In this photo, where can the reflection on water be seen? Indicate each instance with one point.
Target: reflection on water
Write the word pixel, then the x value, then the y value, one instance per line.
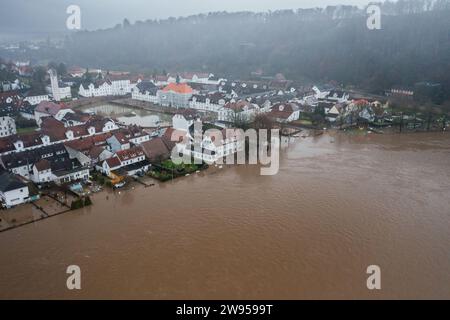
pixel 338 205
pixel 129 116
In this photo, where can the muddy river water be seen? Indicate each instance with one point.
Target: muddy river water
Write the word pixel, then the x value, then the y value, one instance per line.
pixel 338 204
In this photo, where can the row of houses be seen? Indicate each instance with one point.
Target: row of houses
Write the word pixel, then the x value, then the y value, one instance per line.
pixel 68 146
pixel 106 87
pixel 61 154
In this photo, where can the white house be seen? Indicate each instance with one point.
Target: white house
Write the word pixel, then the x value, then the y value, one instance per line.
pixel 50 109
pixel 12 190
pixel 35 100
pixel 63 171
pixel 117 142
pixel 321 92
pixel 338 96
pixel 106 87
pixel 7 126
pixel 332 114
pixel 242 110
pixel 215 145
pixel 285 112
pixel 42 172
pixel 175 95
pixel 211 103
pixel 98 89
pixel 184 120
pixel 125 162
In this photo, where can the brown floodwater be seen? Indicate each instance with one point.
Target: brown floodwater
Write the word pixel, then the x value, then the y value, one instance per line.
pixel 339 204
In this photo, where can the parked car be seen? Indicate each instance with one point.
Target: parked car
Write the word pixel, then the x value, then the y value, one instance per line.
pixel 120 185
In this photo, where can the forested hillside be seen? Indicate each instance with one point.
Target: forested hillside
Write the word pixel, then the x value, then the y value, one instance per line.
pixel 312 45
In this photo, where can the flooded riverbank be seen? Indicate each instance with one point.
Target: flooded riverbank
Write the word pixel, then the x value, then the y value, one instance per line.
pixel 129 115
pixel 339 204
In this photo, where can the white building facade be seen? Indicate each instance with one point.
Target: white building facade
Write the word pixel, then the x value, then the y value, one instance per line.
pixel 7 126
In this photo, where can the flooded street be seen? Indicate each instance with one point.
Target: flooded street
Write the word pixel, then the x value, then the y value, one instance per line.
pixel 338 204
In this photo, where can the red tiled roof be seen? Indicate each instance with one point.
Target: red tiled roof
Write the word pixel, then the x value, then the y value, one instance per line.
pixel 56 133
pixel 49 122
pixel 29 139
pixel 120 136
pixel 361 102
pixel 42 165
pixel 50 107
pixel 181 88
pixel 80 144
pixel 113 162
pixel 131 153
pixel 79 131
pixel 171 134
pixel 95 152
pixel 101 138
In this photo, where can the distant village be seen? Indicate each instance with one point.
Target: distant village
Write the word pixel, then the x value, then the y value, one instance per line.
pixel 47 141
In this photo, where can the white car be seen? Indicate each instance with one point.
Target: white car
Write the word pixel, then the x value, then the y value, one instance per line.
pixel 120 185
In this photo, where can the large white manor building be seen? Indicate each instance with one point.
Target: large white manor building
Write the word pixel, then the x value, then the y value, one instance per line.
pixel 107 87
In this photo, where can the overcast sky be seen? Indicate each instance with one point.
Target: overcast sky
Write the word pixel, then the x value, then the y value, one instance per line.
pixel 45 15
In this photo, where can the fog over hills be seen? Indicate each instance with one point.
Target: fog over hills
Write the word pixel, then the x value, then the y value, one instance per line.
pixel 50 15
pixel 31 16
pixel 321 44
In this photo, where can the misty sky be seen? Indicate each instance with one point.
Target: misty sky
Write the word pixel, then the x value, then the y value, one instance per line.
pixel 48 15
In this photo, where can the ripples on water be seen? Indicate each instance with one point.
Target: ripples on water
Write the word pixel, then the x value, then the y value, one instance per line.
pixel 337 205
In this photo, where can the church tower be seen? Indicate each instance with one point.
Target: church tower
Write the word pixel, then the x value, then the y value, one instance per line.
pixel 54 84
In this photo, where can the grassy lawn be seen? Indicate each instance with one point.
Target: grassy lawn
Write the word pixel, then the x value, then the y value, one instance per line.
pixel 168 169
pixel 304 122
pixel 26 130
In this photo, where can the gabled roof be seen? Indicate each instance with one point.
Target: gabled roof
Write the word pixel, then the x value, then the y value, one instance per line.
pixel 77 116
pixel 79 131
pixel 188 114
pixel 113 162
pixel 29 139
pixel 50 108
pixel 147 86
pixel 95 152
pixel 283 110
pixel 181 88
pixel 131 153
pixel 156 149
pixel 337 94
pixel 167 137
pixel 30 157
pixel 239 105
pixel 80 144
pixel 42 165
pixel 9 182
pixel 49 122
pixel 121 137
pixel 98 123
